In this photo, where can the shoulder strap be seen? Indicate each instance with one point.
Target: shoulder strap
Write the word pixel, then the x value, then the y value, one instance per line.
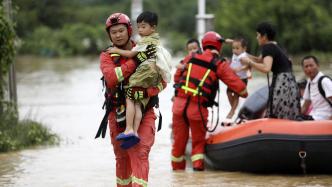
pixel 199 62
pixel 321 90
pixel 107 106
pixel 320 87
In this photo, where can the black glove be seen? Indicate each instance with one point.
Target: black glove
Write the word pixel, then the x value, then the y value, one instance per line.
pixel 151 51
pixel 136 93
pixel 144 55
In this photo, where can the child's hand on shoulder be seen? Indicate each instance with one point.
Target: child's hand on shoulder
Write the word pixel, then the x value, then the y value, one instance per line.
pixel 180 66
pixel 229 41
pixel 112 50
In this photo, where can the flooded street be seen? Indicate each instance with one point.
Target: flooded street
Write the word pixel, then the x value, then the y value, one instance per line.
pixel 66 95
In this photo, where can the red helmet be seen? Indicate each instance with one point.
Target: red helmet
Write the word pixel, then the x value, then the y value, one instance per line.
pixel 119 18
pixel 212 39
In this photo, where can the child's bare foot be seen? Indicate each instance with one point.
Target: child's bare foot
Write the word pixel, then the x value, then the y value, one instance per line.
pixel 230 115
pixel 227 122
pixel 129 132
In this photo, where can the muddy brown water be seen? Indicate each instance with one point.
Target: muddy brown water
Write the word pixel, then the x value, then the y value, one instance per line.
pixel 66 95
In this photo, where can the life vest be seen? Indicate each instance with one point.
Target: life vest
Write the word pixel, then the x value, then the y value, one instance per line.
pixel 199 80
pixel 115 99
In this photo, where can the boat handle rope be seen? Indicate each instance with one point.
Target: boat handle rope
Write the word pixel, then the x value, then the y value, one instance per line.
pixel 303 155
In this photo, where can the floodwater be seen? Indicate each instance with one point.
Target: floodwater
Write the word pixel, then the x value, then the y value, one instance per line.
pixel 66 96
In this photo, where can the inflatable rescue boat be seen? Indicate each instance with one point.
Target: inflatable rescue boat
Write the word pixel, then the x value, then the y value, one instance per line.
pixel 273 146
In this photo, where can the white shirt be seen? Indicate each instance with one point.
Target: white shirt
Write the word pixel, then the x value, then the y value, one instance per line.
pixel 236 64
pixel 321 110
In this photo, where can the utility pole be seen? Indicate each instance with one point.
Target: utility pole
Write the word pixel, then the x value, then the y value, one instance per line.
pixel 203 20
pixel 136 9
pixel 7 4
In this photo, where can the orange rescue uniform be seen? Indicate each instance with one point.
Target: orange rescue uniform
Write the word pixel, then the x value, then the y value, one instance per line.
pixel 203 71
pixel 132 165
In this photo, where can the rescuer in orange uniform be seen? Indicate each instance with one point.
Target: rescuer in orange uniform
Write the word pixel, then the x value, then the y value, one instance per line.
pixel 196 91
pixel 132 165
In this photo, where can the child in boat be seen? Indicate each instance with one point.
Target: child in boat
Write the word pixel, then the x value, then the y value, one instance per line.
pixel 239 47
pixel 192 46
pixel 149 73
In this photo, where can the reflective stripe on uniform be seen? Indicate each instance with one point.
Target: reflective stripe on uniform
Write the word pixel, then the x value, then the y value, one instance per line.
pixel 123 182
pixel 138 95
pixel 204 77
pixel 138 181
pixel 188 75
pixel 194 91
pixel 197 157
pixel 177 159
pixel 114 54
pixel 118 73
pixel 160 87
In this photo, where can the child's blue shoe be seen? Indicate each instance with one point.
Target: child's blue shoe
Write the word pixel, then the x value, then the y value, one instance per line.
pixel 123 136
pixel 128 143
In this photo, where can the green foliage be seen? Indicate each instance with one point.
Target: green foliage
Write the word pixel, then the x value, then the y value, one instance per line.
pixel 176 16
pixel 15 134
pixel 180 24
pixel 73 39
pixel 176 41
pixel 301 26
pixel 74 28
pixel 34 133
pixel 55 14
pixel 7 48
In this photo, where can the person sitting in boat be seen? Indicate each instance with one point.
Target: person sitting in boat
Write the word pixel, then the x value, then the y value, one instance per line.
pixel 318 91
pixel 198 84
pixel 284 97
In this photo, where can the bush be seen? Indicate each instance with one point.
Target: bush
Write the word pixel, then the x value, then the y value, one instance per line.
pixel 34 133
pixel 74 39
pixel 15 136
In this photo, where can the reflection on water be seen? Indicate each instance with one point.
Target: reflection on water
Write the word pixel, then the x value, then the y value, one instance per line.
pixel 66 95
pixel 8 167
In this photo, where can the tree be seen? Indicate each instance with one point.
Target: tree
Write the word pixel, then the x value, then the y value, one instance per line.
pixel 301 27
pixel 7 52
